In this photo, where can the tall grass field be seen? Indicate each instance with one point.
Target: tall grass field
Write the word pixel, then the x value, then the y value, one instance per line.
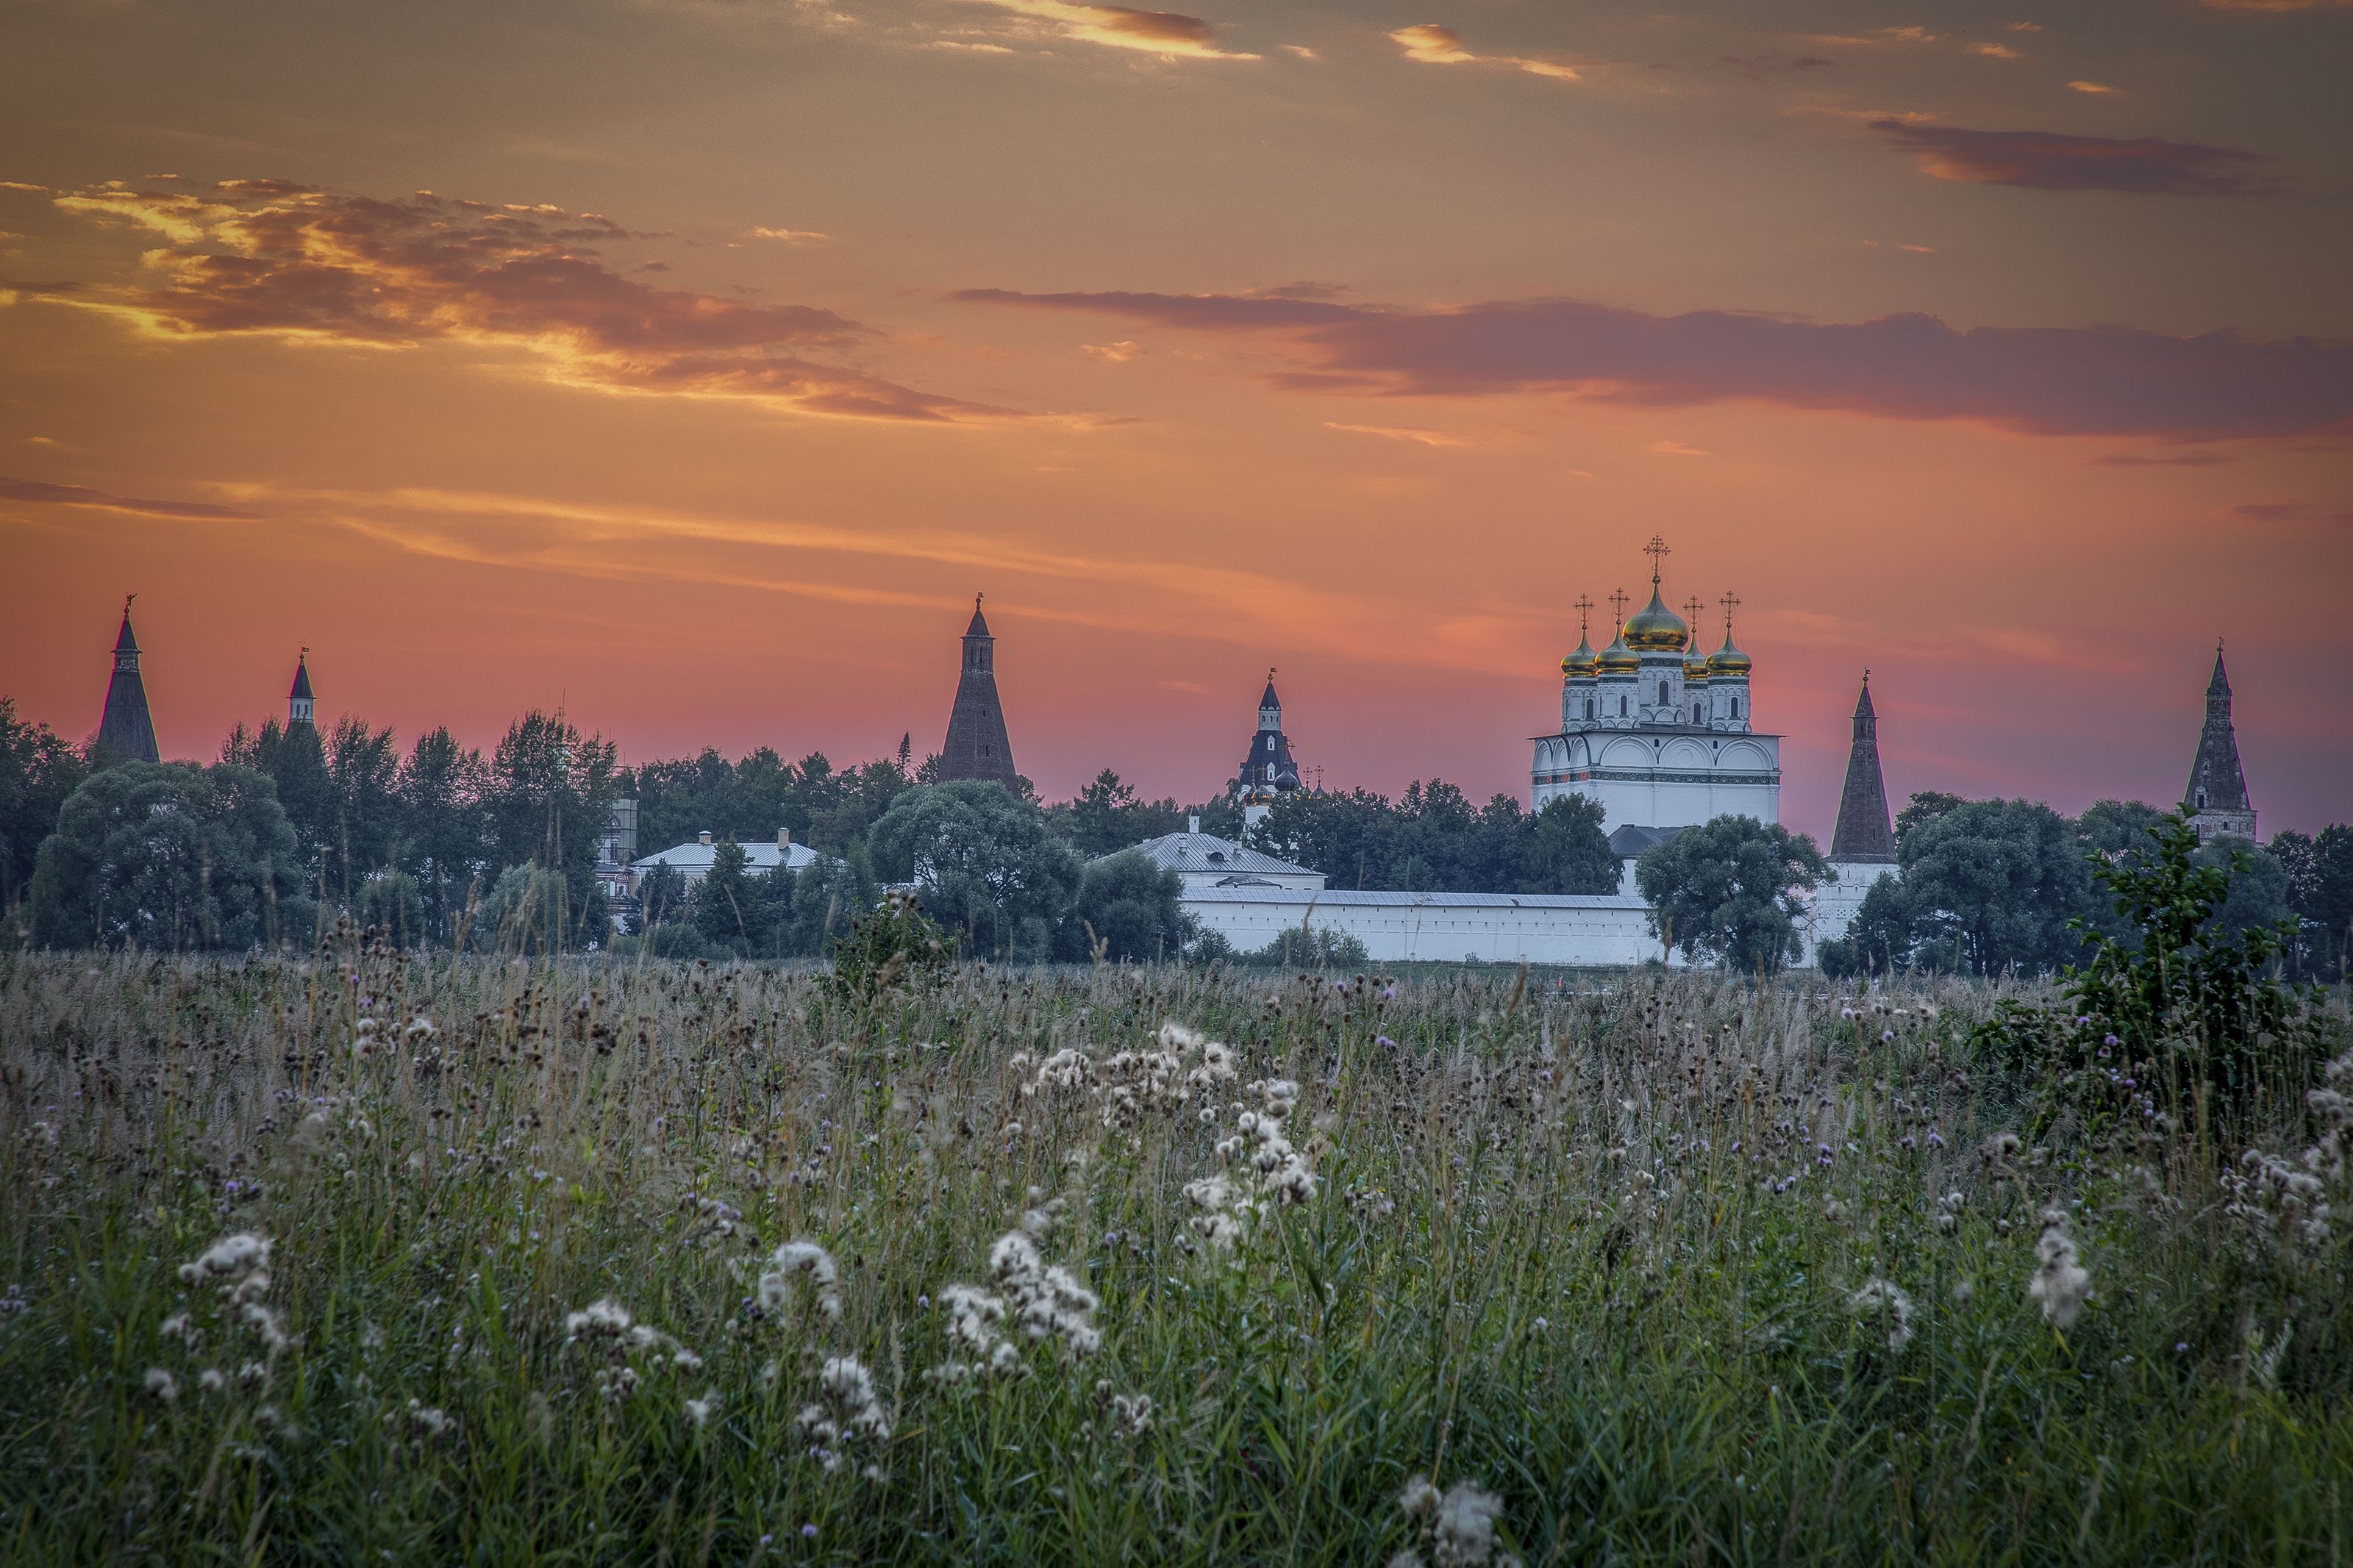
pixel 367 1258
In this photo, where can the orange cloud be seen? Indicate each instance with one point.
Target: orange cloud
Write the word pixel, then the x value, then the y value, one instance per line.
pixel 1433 45
pixel 1166 33
pixel 2090 87
pixel 1400 433
pixel 276 258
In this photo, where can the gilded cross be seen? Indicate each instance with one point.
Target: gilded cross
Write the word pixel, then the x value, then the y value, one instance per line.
pixel 1658 551
pixel 1619 601
pixel 1584 606
pixel 1730 602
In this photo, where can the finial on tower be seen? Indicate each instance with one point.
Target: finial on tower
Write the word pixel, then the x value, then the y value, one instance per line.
pixel 1730 602
pixel 1658 551
pixel 1618 601
pixel 1584 608
pixel 1692 607
pixel 128 597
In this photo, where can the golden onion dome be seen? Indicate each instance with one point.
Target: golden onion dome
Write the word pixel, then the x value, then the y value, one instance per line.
pixel 1618 658
pixel 1580 663
pixel 1728 659
pixel 1656 628
pixel 1695 661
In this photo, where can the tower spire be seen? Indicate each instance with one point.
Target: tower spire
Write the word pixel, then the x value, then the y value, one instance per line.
pixel 2216 800
pixel 977 746
pixel 1864 835
pixel 298 698
pixel 126 730
pixel 1584 609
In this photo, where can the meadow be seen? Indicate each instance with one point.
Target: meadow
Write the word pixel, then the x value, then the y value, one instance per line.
pixel 377 1258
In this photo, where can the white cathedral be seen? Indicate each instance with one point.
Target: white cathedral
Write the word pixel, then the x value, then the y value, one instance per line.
pixel 1658 731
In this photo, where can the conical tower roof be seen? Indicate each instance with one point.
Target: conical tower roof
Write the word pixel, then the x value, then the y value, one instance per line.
pixel 301 678
pixel 1863 832
pixel 977 746
pixel 126 732
pixel 2217 783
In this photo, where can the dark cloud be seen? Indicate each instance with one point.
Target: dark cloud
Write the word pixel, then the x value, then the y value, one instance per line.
pixel 1158 26
pixel 2048 160
pixel 2287 512
pixel 2054 381
pixel 46 494
pixel 276 258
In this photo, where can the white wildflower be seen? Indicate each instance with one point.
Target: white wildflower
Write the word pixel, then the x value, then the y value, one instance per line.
pixel 1881 1303
pixel 232 1257
pixel 1464 1534
pixel 163 1385
pixel 803 1261
pixel 2060 1283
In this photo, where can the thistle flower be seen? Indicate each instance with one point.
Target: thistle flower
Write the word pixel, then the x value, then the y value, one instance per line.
pixel 805 1261
pixel 1420 1500
pixel 232 1257
pixel 162 1384
pixel 1464 1534
pixel 1881 1303
pixel 845 1412
pixel 604 1317
pixel 2060 1283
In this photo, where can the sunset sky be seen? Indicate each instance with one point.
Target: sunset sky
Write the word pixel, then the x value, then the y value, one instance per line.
pixel 691 364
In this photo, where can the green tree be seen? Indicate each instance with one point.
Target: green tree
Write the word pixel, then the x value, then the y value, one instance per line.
pixel 389 901
pixel 2113 827
pixel 547 792
pixel 2256 894
pixel 444 840
pixel 37 772
pixel 827 896
pixel 1925 806
pixel 735 909
pixel 661 896
pixel 296 761
pixel 1132 906
pixel 1998 881
pixel 364 769
pixel 1107 817
pixel 2319 869
pixel 1882 940
pixel 1727 891
pixel 986 866
pixel 2192 995
pixel 530 910
pixel 171 856
pixel 1566 851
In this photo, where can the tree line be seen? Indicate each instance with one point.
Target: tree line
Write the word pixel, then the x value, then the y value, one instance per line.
pixel 445 844
pixel 1994 886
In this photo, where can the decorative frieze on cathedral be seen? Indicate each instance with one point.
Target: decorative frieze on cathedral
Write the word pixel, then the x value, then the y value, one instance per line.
pixel 1660 731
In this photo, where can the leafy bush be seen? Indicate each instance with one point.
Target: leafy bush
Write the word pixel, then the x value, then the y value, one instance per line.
pixel 893 947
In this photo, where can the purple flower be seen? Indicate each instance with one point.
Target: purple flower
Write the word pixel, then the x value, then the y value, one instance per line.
pixel 2110 1040
pixel 808 1532
pixel 1384 1040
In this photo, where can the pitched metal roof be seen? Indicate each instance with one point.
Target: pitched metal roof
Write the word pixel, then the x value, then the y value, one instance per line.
pixel 1631 840
pixel 1336 898
pixel 1206 855
pixel 695 857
